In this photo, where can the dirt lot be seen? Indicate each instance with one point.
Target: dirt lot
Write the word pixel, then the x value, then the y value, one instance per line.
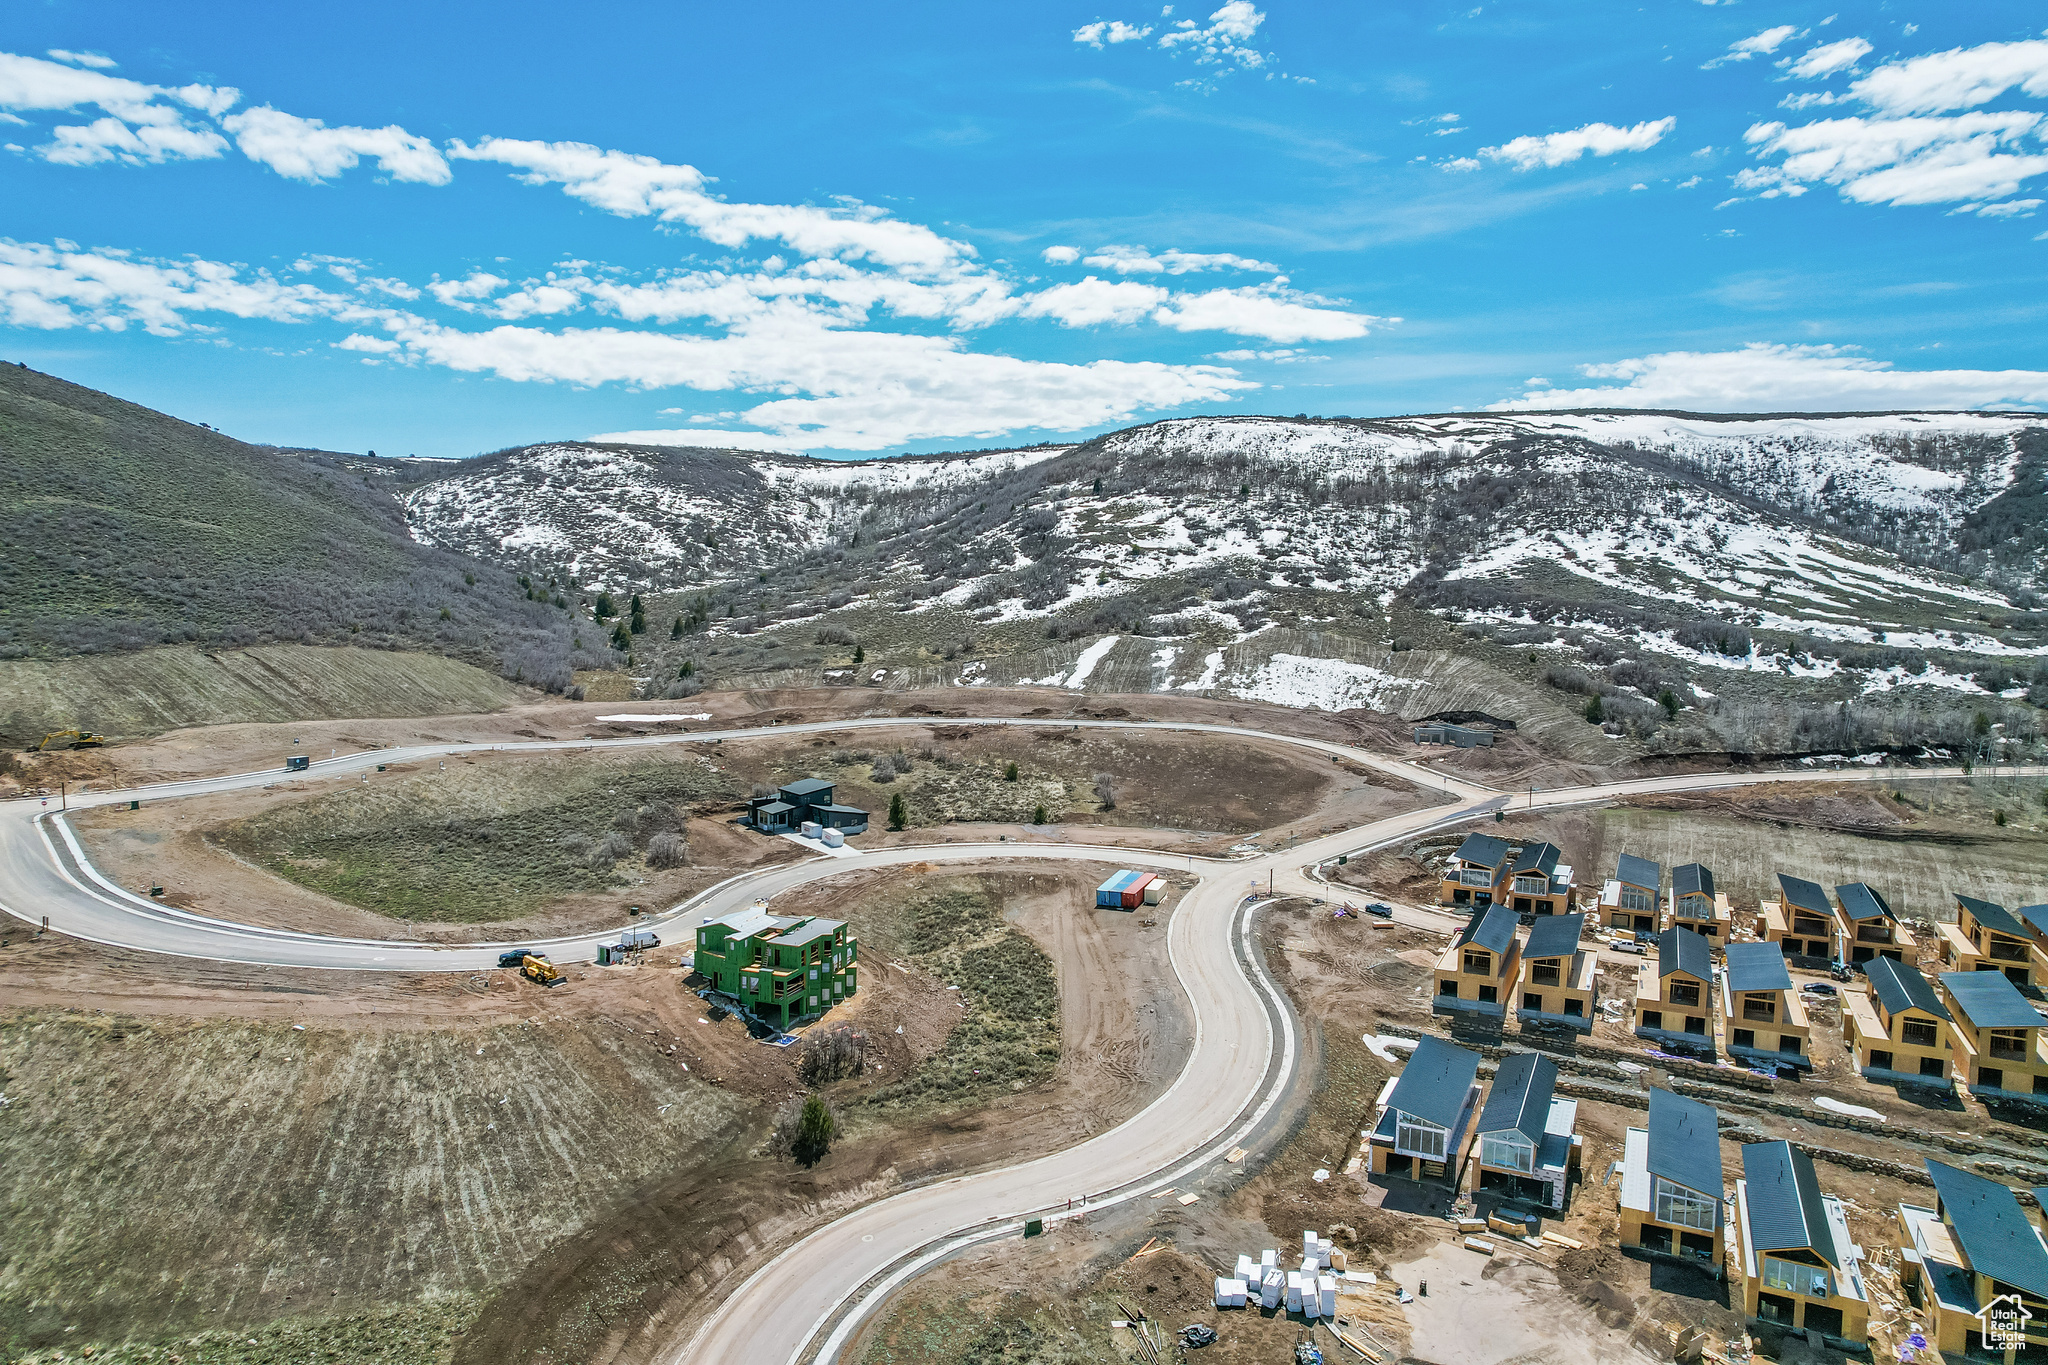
pixel 542 1165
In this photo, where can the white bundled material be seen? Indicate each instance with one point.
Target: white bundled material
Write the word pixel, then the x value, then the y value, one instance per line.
pixel 1308 1245
pixel 1231 1293
pixel 1248 1269
pixel 1269 1258
pixel 1309 1269
pixel 1294 1291
pixel 1326 1294
pixel 1270 1289
pixel 1323 1250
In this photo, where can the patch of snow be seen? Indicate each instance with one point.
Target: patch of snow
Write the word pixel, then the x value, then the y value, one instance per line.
pixel 1835 1106
pixel 1090 657
pixel 657 720
pixel 1382 1046
pixel 1319 684
pixel 1211 667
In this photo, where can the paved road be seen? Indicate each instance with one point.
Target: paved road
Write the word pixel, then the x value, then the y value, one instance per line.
pixel 1240 1063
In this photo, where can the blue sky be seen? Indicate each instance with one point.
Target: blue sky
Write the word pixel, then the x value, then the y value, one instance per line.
pixel 446 229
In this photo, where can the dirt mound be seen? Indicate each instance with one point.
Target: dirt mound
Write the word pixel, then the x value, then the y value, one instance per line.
pixel 1587 1263
pixel 1397 973
pixel 1609 1303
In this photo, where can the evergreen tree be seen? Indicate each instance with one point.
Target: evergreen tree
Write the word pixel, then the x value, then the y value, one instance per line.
pixel 899 816
pixel 688 668
pixel 639 615
pixel 1038 816
pixel 1010 771
pixel 1669 701
pixel 621 641
pixel 605 609
pixel 1595 712
pixel 860 656
pixel 675 632
pixel 814 1133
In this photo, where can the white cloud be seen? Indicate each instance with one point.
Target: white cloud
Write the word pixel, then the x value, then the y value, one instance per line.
pixel 141 123
pixel 1759 44
pixel 1460 163
pixel 1827 60
pixel 1687 183
pixel 1812 99
pixel 2011 208
pixel 1966 157
pixel 1112 31
pixel 60 286
pixel 1136 260
pixel 307 149
pixel 1281 356
pixel 1770 378
pixel 1224 39
pixel 1264 312
pixel 91 59
pixel 1960 78
pixel 464 292
pixel 109 139
pixel 1601 139
pixel 1060 255
pixel 1096 302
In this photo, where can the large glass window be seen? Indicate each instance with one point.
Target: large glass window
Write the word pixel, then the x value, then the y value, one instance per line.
pixel 1810 1280
pixel 1635 898
pixel 1509 1153
pixel 1685 1208
pixel 1419 1139
pixel 1685 992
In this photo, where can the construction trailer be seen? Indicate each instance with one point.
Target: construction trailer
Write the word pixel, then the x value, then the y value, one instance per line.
pixel 1127 891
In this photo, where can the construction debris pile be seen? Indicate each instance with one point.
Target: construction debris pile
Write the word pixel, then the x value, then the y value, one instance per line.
pixel 1310 1290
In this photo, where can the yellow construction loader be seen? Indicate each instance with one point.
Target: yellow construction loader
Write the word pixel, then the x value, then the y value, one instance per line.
pixel 70 739
pixel 534 967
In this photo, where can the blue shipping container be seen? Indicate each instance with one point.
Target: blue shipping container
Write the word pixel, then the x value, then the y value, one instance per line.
pixel 1111 892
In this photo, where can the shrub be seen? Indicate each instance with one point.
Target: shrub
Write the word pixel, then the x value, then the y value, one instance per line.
pixel 1105 791
pixel 899 814
pixel 815 1130
pixel 667 850
pixel 1595 712
pixel 829 1054
pixel 1038 816
pixel 1010 771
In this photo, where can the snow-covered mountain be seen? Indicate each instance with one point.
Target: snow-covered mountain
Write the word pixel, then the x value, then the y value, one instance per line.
pixel 1320 559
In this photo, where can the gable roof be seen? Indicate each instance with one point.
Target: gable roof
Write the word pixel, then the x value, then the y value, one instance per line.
pixel 1520 1097
pixel 1989 1000
pixel 2035 917
pixel 1757 967
pixel 1495 930
pixel 1483 850
pixel 1538 858
pixel 1685 1142
pixel 1991 1228
pixel 1860 902
pixel 1435 1082
pixel 1993 916
pixel 1554 936
pixel 1682 950
pixel 1900 987
pixel 1639 872
pixel 1805 894
pixel 1692 878
pixel 1785 1211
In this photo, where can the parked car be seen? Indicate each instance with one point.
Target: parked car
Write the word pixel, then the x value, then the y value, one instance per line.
pixel 1818 988
pixel 1628 945
pixel 514 957
pixel 1383 911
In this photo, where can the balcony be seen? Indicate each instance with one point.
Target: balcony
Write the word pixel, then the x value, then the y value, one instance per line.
pixel 2005 950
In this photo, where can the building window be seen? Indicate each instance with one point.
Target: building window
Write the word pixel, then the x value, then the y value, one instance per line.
pixel 1991 1076
pixel 1532 1000
pixel 1881 1060
pixel 2010 1044
pixel 1509 1154
pixel 1418 1139
pixel 1635 898
pixel 1695 907
pixel 1478 964
pixel 1933 1066
pixel 1685 993
pixel 1810 1280
pixel 1743 1037
pixel 1653 1019
pixel 1914 1034
pixel 1545 973
pixel 1788 1043
pixel 1685 1208
pixel 1447 987
pixel 1488 995
pixel 1575 1007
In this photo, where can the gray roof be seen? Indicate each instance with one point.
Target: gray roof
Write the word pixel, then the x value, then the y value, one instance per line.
pixel 1554 936
pixel 1991 1228
pixel 1693 877
pixel 1993 916
pixel 1757 967
pixel 816 929
pixel 1435 1082
pixel 1483 850
pixel 1785 1212
pixel 1681 950
pixel 1520 1097
pixel 1685 1142
pixel 2035 917
pixel 1990 1000
pixel 1899 987
pixel 1639 872
pixel 1495 929
pixel 1860 902
pixel 1538 858
pixel 808 786
pixel 774 808
pixel 1805 894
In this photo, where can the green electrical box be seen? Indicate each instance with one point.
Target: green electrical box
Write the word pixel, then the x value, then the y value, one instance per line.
pixel 1035 1228
pixel 1343 858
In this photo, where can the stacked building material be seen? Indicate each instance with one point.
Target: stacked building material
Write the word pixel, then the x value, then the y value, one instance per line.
pixel 1231 1293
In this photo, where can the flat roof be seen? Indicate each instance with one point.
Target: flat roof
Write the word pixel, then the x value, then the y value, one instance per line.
pixel 815 929
pixel 1861 902
pixel 1785 1212
pixel 1692 879
pixel 1435 1082
pixel 1554 936
pixel 746 923
pixel 1685 1142
pixel 807 786
pixel 1639 872
pixel 1495 929
pixel 1991 1228
pixel 1482 849
pixel 1520 1097
pixel 1899 987
pixel 774 808
pixel 1119 881
pixel 1682 950
pixel 1805 895
pixel 1993 916
pixel 1989 1000
pixel 1757 967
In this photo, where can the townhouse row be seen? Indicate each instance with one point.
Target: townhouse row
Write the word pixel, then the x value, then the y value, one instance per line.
pixel 1973 1265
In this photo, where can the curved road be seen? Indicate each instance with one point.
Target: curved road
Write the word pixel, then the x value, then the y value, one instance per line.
pixel 1239 1066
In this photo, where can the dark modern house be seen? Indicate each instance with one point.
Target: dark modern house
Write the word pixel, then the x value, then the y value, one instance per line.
pixel 1867 925
pixel 1475 875
pixel 1476 973
pixel 1974 1261
pixel 1675 1006
pixel 1802 921
pixel 1560 980
pixel 808 801
pixel 1629 899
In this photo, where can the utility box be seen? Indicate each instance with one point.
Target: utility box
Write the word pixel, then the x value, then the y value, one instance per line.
pixel 810 829
pixel 298 763
pixel 1154 890
pixel 833 838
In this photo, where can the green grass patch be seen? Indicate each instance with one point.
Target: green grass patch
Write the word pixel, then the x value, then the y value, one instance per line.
pixel 477 845
pixel 1009 1035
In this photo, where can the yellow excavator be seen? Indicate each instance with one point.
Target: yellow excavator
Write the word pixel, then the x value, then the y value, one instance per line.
pixel 70 739
pixel 534 967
